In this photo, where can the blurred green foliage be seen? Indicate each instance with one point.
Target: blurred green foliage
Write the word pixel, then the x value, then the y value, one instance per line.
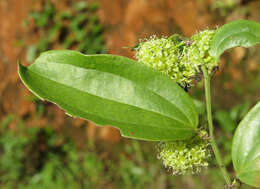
pixel 76 28
pixel 228 121
pixel 224 7
pixel 39 158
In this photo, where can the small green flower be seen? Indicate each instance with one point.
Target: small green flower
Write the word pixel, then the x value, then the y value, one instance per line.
pixel 183 157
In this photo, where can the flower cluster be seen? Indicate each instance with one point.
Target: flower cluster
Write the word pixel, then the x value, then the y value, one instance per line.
pixel 198 52
pixel 178 57
pixel 183 157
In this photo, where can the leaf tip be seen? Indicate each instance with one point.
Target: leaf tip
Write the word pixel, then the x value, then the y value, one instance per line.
pixel 22 74
pixel 21 68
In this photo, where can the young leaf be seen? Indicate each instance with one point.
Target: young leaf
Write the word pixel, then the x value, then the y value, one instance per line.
pixel 113 90
pixel 244 33
pixel 246 148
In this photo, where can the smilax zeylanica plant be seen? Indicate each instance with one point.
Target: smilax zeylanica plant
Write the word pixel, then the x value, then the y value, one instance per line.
pixel 181 59
pixel 147 105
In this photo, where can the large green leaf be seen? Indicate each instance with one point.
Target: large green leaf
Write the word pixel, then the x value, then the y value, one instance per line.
pixel 113 90
pixel 244 33
pixel 246 148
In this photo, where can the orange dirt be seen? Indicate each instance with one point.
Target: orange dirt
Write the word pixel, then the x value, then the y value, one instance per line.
pixel 126 21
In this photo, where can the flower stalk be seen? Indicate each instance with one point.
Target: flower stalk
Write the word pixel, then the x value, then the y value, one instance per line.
pixel 211 128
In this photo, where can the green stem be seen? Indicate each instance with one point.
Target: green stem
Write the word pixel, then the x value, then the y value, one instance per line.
pixel 210 125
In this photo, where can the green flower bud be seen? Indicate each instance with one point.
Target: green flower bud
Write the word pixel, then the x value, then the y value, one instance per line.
pixel 183 157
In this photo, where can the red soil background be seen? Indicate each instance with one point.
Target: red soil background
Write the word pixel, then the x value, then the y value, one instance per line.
pixel 125 22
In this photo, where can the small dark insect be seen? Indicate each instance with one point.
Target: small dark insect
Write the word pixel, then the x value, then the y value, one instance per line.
pixel 197 77
pixel 215 69
pixel 186 88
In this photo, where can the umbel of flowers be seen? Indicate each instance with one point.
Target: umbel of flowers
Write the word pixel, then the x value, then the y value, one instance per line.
pixel 182 157
pixel 181 59
pixel 178 57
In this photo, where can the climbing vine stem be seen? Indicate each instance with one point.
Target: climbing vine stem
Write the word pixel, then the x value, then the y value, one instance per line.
pixel 210 127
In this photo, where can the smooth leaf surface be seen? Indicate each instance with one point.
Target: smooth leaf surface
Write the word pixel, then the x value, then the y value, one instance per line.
pixel 246 148
pixel 244 33
pixel 113 90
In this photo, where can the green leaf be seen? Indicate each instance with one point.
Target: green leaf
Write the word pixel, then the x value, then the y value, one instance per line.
pixel 246 148
pixel 113 90
pixel 244 33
